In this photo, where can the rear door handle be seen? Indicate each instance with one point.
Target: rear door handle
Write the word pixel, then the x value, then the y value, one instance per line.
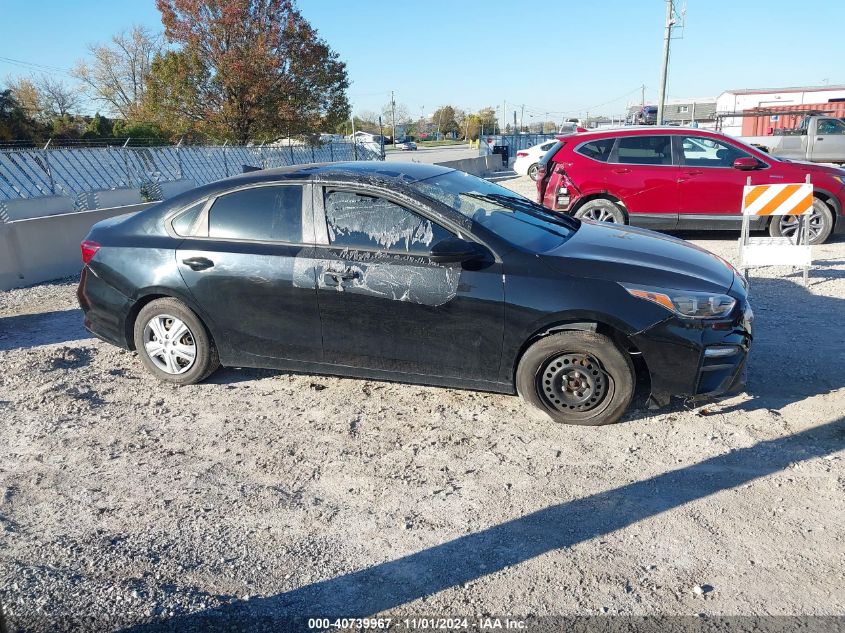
pixel 693 172
pixel 622 170
pixel 198 263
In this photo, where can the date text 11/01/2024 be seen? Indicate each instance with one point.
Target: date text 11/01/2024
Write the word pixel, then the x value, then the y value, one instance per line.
pixel 416 624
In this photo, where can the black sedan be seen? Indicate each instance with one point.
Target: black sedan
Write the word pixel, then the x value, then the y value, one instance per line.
pixel 415 273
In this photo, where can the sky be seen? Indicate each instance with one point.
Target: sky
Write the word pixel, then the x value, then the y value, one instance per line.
pixel 564 57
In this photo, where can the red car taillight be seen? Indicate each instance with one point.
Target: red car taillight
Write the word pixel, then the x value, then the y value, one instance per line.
pixel 89 249
pixel 522 153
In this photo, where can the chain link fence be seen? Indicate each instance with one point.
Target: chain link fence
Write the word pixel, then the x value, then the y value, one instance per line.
pixel 77 172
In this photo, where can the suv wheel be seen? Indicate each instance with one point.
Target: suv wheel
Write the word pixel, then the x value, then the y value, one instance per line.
pixel 820 219
pixel 173 343
pixel 576 377
pixel 601 210
pixel 532 171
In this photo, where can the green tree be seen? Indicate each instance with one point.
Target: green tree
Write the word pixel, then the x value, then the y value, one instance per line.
pixel 255 67
pixel 99 127
pixel 443 120
pixel 142 132
pixel 173 98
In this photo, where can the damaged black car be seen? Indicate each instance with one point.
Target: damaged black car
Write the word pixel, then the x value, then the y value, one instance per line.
pixel 420 274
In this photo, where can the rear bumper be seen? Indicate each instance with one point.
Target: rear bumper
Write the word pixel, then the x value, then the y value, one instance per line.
pixel 104 309
pixel 696 360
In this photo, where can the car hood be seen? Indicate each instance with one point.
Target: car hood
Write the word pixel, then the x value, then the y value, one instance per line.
pixel 639 256
pixel 807 166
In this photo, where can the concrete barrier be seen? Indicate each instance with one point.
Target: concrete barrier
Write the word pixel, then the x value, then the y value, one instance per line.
pixel 39 249
pixel 481 166
pixel 26 208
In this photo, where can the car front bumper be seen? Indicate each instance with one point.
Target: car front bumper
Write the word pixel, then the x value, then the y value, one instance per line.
pixel 696 360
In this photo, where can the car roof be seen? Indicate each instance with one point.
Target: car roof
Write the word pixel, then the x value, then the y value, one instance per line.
pixel 640 130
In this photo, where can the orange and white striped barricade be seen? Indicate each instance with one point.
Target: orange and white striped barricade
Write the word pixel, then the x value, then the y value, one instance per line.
pixel 776 200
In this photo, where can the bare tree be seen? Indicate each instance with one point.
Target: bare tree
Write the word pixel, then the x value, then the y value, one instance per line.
pixel 57 98
pixel 116 74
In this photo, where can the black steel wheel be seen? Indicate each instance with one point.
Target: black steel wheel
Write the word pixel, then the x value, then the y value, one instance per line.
pixel 576 377
pixel 574 382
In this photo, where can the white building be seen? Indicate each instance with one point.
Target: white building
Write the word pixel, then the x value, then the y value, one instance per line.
pixel 744 99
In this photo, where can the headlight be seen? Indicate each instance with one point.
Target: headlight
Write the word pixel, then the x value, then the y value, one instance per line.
pixel 840 178
pixel 693 305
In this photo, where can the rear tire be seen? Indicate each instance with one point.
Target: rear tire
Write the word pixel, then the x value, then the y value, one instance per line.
pixel 821 224
pixel 173 343
pixel 576 377
pixel 601 210
pixel 532 171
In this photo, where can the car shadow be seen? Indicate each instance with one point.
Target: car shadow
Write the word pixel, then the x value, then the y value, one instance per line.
pixel 391 584
pixel 43 328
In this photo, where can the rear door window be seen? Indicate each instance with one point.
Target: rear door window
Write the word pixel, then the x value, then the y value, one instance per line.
pixel 644 150
pixel 267 214
pixel 597 150
pixel 362 222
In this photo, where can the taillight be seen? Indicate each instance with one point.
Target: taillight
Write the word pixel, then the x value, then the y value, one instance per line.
pixel 89 249
pixel 522 153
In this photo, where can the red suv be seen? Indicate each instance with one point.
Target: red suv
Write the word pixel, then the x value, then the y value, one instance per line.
pixel 678 178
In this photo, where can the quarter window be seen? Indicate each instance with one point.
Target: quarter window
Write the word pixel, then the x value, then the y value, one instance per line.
pixel 645 150
pixel 363 222
pixel 187 222
pixel 271 214
pixel 700 151
pixel 597 150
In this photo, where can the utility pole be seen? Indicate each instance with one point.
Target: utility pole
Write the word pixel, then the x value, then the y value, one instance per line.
pixel 522 118
pixel 664 70
pixel 393 117
pixel 422 113
pixel 642 99
pixel 504 116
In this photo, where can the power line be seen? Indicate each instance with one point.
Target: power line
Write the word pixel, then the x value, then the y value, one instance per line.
pixel 42 68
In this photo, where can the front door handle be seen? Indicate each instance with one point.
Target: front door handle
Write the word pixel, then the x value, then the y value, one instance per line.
pixel 622 170
pixel 335 277
pixel 693 172
pixel 198 263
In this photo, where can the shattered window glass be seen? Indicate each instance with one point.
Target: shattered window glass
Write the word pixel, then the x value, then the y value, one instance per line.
pixel 364 222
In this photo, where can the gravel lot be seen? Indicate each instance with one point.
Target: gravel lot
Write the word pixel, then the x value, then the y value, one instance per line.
pixel 261 493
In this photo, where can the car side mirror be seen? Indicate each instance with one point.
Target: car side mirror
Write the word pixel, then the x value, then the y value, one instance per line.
pixel 455 250
pixel 746 163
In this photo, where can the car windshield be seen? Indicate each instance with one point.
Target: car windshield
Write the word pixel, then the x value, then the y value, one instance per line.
pixel 512 217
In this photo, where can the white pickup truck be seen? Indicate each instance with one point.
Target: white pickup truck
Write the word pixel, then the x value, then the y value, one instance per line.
pixel 818 139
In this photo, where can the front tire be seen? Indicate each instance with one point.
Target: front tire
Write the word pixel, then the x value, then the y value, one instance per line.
pixel 576 377
pixel 601 210
pixel 532 171
pixel 173 343
pixel 821 224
